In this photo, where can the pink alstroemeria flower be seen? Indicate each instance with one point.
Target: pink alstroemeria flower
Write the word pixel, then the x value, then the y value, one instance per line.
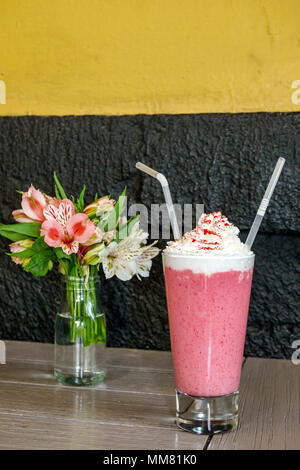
pixel 20 216
pixel 65 229
pixel 33 204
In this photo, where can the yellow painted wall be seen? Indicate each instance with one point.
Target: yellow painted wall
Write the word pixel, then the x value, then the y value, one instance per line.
pixel 148 56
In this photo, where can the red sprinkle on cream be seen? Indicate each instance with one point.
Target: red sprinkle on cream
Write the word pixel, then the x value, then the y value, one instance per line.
pixel 214 232
pixel 208 233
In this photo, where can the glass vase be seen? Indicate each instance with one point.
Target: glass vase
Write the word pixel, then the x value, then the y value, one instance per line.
pixel 80 333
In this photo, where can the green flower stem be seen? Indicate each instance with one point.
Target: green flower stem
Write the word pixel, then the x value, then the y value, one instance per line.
pixel 85 324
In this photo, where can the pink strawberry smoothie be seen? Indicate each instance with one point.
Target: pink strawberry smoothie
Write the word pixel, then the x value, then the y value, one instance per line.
pixel 208 276
pixel 207 318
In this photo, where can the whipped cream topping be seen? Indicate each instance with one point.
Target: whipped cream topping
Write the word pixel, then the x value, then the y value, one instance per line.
pixel 213 235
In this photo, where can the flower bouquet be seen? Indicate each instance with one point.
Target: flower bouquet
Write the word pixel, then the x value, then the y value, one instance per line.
pixel 80 239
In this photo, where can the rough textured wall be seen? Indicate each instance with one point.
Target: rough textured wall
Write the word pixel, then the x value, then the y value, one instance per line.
pixel 223 161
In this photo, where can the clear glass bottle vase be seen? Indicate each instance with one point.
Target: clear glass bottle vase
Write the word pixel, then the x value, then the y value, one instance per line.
pixel 80 333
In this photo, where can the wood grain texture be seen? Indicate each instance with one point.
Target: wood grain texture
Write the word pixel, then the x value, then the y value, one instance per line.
pixel 105 406
pixel 118 378
pixel 20 351
pixel 35 432
pixel 269 408
pixel 134 409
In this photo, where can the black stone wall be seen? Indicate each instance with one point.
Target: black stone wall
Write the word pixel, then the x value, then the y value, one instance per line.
pixel 221 160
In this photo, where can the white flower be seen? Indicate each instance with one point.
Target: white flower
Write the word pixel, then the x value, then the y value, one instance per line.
pixel 119 259
pixel 129 257
pixel 143 262
pixel 138 234
pixel 143 268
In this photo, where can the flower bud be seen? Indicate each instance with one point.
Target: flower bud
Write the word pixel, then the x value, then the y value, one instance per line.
pixel 99 207
pixel 18 247
pixel 92 256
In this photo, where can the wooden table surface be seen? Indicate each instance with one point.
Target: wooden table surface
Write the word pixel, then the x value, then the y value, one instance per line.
pixel 135 408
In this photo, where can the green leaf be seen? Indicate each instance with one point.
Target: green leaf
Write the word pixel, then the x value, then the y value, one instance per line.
pixel 13 236
pixel 57 194
pixel 131 222
pixel 113 218
pixel 40 244
pixel 60 254
pixel 80 200
pixel 39 263
pixel 125 229
pixel 23 254
pixel 60 188
pixel 29 229
pixel 96 197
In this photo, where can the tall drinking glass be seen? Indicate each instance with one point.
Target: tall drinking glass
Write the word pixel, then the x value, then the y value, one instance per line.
pixel 208 300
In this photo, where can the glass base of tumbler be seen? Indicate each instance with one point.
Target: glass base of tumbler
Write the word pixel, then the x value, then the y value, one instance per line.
pixel 75 380
pixel 206 415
